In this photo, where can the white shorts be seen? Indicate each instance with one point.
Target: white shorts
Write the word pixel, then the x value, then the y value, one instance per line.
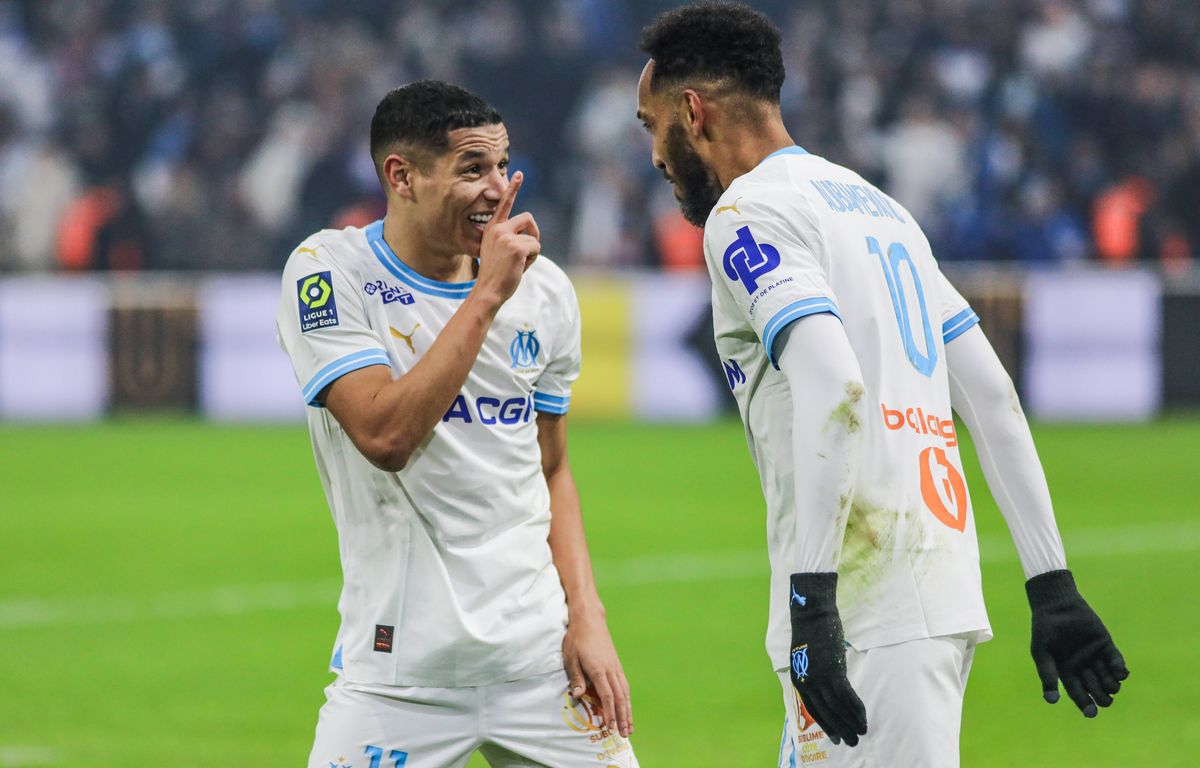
pixel 532 722
pixel 913 693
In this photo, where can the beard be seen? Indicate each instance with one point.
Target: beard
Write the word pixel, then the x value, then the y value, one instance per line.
pixel 699 188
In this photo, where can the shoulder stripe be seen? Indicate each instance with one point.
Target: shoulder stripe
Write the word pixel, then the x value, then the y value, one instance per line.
pixel 791 313
pixel 339 368
pixel 958 325
pixel 559 404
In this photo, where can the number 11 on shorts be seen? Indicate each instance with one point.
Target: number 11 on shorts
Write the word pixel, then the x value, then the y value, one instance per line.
pixel 398 757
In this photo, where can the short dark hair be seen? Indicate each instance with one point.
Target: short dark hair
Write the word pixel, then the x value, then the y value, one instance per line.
pixel 419 116
pixel 716 41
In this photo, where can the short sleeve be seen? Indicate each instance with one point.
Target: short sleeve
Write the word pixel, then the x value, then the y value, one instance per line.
pixel 763 254
pixel 957 315
pixel 322 322
pixel 552 392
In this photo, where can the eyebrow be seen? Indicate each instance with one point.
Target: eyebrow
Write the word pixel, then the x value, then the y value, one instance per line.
pixel 480 154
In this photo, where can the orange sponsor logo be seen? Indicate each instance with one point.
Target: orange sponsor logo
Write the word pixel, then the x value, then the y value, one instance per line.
pixel 806 720
pixel 941 482
pixel 582 715
pixel 923 424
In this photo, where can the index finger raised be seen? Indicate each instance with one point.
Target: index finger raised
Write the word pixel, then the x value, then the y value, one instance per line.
pixel 505 206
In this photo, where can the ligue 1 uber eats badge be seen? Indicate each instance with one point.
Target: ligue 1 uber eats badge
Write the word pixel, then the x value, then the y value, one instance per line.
pixel 318 306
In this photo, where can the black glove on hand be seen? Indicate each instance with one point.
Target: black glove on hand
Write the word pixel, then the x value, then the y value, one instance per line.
pixel 1070 642
pixel 819 658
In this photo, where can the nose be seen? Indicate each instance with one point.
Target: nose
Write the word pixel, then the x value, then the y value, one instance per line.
pixel 658 161
pixel 497 182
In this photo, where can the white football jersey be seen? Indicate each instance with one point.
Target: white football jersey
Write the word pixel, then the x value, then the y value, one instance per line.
pixel 800 235
pixel 448 579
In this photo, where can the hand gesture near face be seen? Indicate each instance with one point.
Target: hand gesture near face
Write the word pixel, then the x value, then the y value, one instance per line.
pixel 509 246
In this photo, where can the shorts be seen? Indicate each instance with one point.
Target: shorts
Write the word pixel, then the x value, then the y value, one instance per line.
pixel 532 722
pixel 913 693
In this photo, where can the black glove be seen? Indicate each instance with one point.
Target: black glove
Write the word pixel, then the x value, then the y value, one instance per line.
pixel 819 658
pixel 1070 642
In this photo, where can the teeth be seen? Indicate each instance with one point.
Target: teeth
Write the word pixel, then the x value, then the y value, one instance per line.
pixel 480 218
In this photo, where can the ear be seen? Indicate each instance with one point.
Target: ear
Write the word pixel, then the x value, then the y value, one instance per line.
pixel 398 172
pixel 693 108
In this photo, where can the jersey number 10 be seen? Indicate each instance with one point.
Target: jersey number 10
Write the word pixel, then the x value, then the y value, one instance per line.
pixel 897 256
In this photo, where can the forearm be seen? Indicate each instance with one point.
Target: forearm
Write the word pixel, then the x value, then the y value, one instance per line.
pixel 568 546
pixel 983 395
pixel 828 414
pixel 827 417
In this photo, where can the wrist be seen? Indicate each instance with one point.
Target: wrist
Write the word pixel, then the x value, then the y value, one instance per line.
pixel 586 610
pixel 1050 588
pixel 812 598
pixel 484 301
pixel 812 588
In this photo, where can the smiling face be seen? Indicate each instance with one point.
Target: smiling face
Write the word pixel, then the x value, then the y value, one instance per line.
pixel 455 192
pixel 697 187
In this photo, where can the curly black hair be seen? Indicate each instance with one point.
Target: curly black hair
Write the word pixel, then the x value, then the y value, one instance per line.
pixel 420 115
pixel 716 41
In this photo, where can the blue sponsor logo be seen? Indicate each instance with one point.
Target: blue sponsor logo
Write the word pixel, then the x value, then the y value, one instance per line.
pixel 524 349
pixel 490 411
pixel 733 373
pixel 800 661
pixel 318 305
pixel 389 293
pixel 798 598
pixel 746 259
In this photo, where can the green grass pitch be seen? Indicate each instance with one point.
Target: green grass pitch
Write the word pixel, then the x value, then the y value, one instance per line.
pixel 167 595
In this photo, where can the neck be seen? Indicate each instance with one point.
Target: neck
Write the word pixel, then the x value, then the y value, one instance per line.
pixel 424 258
pixel 748 146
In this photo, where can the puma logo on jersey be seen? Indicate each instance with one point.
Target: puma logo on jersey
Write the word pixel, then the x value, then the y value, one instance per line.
pixel 309 251
pixel 733 207
pixel 406 336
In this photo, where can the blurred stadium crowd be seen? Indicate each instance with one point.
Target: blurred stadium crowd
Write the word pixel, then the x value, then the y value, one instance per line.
pixel 215 134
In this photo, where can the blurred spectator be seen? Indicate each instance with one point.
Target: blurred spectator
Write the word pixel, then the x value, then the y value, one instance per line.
pixel 922 156
pixel 1117 226
pixel 193 134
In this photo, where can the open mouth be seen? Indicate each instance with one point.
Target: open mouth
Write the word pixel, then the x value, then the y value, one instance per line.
pixel 479 220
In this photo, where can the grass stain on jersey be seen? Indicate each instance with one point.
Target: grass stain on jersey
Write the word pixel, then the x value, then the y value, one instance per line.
pixel 847 412
pixel 843 512
pixel 921 539
pixel 866 549
pixel 1015 400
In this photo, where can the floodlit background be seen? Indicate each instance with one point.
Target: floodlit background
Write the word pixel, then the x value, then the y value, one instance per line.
pixel 168 570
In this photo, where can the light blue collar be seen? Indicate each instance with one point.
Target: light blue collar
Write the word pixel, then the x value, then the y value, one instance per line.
pixel 795 149
pixel 407 274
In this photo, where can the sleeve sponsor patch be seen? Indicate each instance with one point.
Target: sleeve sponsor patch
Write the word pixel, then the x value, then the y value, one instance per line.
pixel 746 259
pixel 318 305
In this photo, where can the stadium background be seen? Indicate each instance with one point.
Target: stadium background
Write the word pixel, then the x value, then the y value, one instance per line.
pixel 168 574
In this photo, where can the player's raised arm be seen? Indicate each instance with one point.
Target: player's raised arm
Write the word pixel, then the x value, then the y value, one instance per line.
pixel 827 418
pixel 387 419
pixel 1069 641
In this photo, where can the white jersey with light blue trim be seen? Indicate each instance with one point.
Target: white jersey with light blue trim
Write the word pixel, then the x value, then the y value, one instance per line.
pixel 799 235
pixel 448 579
